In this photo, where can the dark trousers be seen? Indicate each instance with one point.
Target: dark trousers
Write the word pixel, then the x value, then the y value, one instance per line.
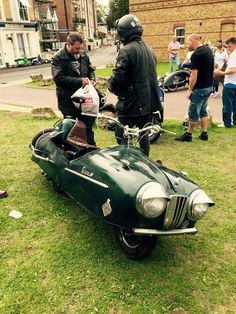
pixel 139 122
pixel 215 85
pixel 229 106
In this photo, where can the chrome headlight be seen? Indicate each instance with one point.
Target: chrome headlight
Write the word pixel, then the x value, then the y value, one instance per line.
pixel 199 203
pixel 151 200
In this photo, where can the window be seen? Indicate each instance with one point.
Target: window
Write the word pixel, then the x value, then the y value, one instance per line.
pixel 21 44
pixel 180 34
pixel 23 11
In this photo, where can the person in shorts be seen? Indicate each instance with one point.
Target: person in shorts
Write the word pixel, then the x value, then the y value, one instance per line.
pixel 200 87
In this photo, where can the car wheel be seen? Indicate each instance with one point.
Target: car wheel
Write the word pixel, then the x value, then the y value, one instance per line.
pixel 154 135
pixel 135 247
pixel 39 134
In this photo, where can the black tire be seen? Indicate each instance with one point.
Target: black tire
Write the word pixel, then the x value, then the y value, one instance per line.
pixel 154 135
pixel 174 86
pixel 39 134
pixel 135 247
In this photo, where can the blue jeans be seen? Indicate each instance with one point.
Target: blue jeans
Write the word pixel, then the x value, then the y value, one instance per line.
pixel 198 103
pixel 174 60
pixel 229 106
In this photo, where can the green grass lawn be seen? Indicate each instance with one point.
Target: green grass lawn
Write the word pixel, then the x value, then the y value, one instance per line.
pixel 60 259
pixel 162 68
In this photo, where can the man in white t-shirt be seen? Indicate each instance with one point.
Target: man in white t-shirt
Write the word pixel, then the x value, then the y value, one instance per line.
pixel 229 90
pixel 173 49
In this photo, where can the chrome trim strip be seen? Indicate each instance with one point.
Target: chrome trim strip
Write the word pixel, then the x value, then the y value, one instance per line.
pixel 176 211
pixel 40 157
pixel 103 185
pixel 141 231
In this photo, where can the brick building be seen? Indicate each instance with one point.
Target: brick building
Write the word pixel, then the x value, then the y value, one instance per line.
pixel 211 19
pixel 47 24
pixel 79 15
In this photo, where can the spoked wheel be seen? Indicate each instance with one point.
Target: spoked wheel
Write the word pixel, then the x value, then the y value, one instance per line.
pixel 152 134
pixel 174 86
pixel 135 247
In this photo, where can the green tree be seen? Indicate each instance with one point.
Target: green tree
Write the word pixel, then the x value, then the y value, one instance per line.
pixel 118 8
pixel 102 12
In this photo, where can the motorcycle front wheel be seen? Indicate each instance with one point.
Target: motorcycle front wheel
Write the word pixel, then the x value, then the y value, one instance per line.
pixel 135 247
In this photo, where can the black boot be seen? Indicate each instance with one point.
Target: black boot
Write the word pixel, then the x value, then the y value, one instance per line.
pixel 203 136
pixel 186 137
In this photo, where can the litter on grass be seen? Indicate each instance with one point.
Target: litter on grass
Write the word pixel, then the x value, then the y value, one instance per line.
pixel 15 214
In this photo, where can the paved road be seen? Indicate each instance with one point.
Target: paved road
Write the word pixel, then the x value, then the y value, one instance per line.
pixel 103 57
pixel 176 106
pixel 15 96
pixel 99 58
pixel 21 75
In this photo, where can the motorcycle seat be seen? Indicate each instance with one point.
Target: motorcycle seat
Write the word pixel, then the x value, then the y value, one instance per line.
pixel 78 136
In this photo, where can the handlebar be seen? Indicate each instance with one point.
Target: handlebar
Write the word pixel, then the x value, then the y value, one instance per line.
pixel 127 130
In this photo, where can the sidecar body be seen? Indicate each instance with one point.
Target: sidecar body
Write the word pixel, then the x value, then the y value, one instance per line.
pixel 120 186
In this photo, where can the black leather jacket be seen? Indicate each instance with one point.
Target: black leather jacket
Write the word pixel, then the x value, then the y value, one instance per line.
pixel 67 72
pixel 134 80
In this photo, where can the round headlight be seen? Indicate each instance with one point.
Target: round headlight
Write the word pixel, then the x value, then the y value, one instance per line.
pixel 199 204
pixel 199 211
pixel 151 200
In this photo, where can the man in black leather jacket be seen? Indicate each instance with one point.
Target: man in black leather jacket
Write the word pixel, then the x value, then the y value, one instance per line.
pixel 134 80
pixel 71 69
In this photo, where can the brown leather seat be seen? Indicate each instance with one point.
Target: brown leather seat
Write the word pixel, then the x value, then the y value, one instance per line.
pixel 78 136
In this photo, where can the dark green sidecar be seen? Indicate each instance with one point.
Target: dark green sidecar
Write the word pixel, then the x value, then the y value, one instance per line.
pixel 121 186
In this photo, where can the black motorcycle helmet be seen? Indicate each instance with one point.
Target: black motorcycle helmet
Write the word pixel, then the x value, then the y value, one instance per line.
pixel 127 26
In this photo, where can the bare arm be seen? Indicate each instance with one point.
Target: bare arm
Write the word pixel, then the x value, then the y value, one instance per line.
pixel 192 82
pixel 227 72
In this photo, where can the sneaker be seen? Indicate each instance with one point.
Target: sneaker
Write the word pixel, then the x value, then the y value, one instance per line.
pixel 186 137
pixel 203 136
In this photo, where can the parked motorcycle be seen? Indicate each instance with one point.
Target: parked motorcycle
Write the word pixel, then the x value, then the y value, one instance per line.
pixel 175 80
pixel 39 60
pixel 22 62
pixel 141 198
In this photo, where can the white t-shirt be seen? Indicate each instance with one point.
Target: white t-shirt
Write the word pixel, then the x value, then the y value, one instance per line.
pixel 219 58
pixel 231 78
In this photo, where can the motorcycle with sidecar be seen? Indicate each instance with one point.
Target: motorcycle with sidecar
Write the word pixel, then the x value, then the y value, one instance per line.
pixel 141 198
pixel 175 80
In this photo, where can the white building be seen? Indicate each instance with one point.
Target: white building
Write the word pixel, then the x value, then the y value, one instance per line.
pixel 18 31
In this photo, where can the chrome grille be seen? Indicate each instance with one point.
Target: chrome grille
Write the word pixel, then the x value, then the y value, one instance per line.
pixel 176 211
